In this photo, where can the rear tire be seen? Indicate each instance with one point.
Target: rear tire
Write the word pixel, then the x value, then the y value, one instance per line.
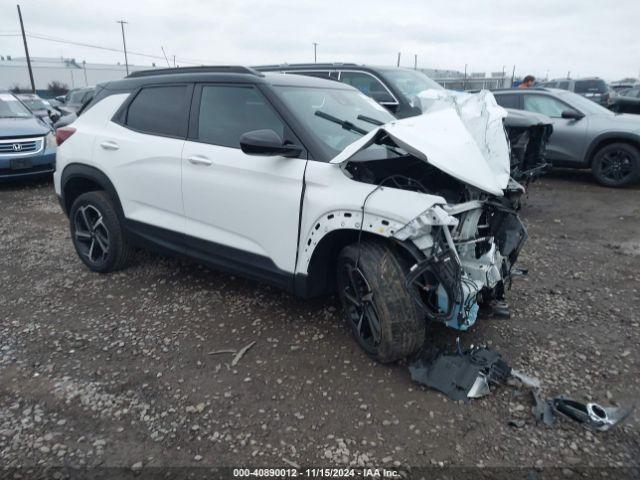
pixel 379 310
pixel 97 233
pixel 616 165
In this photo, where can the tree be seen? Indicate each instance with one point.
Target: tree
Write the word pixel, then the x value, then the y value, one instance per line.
pixel 57 88
pixel 18 89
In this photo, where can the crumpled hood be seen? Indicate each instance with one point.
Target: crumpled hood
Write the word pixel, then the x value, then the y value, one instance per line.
pixel 459 133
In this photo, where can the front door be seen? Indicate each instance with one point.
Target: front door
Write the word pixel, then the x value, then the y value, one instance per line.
pixel 567 142
pixel 244 209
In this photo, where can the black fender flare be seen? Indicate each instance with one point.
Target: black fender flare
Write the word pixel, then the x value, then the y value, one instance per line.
pixel 78 170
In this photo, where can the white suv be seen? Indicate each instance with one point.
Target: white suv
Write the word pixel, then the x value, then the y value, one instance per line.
pixel 289 180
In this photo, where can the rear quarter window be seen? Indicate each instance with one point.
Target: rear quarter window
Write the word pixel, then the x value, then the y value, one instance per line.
pixel 590 86
pixel 162 110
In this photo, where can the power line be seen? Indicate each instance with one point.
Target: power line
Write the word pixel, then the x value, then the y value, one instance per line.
pixel 49 38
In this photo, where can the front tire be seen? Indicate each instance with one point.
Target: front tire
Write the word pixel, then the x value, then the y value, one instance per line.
pixel 379 310
pixel 616 165
pixel 97 233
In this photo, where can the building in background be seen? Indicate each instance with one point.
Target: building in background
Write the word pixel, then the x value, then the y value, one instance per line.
pixel 74 74
pixel 77 74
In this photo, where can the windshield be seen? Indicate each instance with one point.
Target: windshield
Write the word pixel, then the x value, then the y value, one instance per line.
pixel 34 103
pixel 409 82
pixel 337 117
pixel 590 86
pixel 10 107
pixel 583 104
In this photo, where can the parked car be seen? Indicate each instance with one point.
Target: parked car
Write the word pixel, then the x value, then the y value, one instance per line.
pixel 78 97
pixel 27 143
pixel 39 107
pixel 396 89
pixel 260 174
pixel 585 134
pixel 593 88
pixel 627 102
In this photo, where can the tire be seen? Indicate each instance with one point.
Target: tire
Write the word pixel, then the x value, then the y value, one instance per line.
pixel 392 327
pixel 616 165
pixel 97 233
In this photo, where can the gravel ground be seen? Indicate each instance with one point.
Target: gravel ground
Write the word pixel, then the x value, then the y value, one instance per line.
pixel 125 369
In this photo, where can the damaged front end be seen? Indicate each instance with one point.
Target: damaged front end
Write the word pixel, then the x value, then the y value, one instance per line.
pixel 469 253
pixel 468 242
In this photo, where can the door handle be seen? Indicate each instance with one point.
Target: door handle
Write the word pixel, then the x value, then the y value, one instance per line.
pixel 110 145
pixel 199 160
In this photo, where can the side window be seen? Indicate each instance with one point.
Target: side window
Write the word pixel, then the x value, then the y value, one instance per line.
pixel 563 85
pixel 508 100
pixel 227 112
pixel 368 85
pixel 544 104
pixel 634 92
pixel 160 111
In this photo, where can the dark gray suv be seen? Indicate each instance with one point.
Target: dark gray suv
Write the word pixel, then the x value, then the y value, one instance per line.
pixel 585 134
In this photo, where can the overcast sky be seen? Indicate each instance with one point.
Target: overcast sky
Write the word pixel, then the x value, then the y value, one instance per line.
pixel 585 37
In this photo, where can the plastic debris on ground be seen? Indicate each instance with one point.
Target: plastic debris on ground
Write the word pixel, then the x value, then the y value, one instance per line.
pixel 468 374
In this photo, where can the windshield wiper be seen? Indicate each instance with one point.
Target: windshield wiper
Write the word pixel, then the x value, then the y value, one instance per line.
pixel 346 124
pixel 371 120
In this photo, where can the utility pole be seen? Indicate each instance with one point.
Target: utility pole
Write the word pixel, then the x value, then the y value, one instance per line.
pixel 398 59
pixel 513 75
pixel 174 61
pixel 464 85
pixel 26 51
pixel 503 77
pixel 84 68
pixel 124 44
pixel 165 57
pixel 415 61
pixel 315 52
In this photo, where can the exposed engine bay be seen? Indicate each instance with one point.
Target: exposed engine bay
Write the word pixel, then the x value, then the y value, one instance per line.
pixel 468 245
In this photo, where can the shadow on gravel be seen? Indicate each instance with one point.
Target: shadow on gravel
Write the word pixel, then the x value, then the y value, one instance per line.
pixel 581 177
pixel 13 185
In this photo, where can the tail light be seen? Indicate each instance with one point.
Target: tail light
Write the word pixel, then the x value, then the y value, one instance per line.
pixel 63 133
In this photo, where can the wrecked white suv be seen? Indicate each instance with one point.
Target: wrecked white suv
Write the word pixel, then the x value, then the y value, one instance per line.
pixel 302 183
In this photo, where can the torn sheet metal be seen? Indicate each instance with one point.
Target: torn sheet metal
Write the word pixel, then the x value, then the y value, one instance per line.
pixel 461 136
pixel 460 376
pixel 483 118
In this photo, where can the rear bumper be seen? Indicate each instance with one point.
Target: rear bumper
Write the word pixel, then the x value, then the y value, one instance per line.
pixel 40 165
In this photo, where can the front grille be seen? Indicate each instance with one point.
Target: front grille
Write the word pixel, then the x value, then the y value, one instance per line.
pixel 17 147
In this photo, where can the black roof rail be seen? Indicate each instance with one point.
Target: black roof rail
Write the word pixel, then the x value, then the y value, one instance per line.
pixel 306 65
pixel 202 69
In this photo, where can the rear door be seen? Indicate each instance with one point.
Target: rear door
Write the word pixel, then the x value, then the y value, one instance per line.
pixel 142 153
pixel 567 142
pixel 242 210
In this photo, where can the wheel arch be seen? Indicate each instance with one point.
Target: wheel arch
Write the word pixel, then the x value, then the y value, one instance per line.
pixel 321 272
pixel 77 179
pixel 605 139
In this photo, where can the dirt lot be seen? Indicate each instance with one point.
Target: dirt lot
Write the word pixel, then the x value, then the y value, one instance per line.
pixel 116 370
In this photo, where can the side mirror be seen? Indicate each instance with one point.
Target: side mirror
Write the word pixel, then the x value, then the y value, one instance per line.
pixel 571 115
pixel 267 143
pixel 54 116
